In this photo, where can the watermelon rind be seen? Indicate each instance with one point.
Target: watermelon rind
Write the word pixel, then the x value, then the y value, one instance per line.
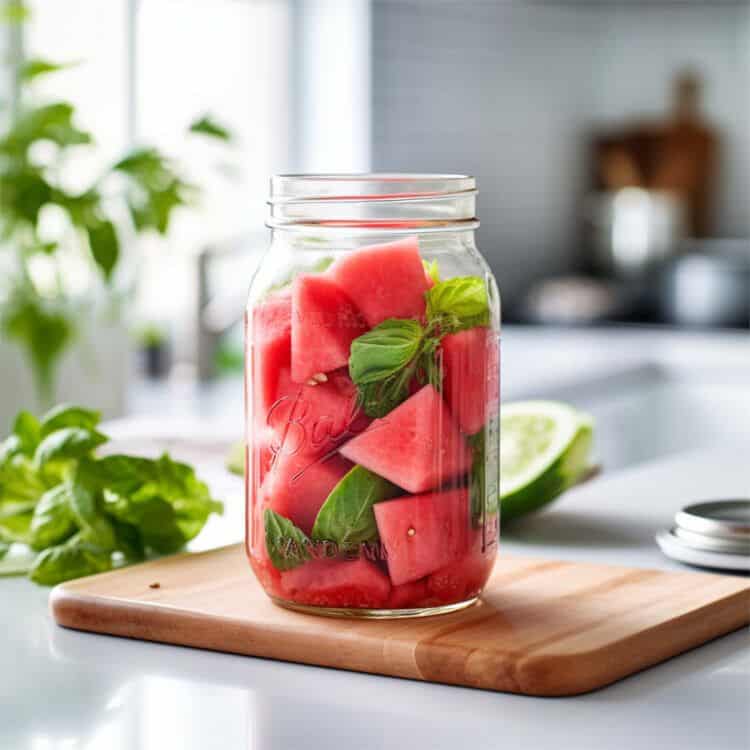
pixel 545 475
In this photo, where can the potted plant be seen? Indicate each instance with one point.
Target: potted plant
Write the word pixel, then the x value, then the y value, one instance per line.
pixel 63 273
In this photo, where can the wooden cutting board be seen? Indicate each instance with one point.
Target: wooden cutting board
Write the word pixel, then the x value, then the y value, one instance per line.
pixel 543 627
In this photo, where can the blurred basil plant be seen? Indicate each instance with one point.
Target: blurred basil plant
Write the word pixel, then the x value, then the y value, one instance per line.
pixel 137 193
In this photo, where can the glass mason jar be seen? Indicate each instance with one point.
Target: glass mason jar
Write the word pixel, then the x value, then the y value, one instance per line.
pixel 372 397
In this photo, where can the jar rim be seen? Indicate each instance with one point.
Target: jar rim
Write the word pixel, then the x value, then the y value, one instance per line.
pixel 368 186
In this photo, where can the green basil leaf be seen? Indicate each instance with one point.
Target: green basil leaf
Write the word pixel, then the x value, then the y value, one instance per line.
pixel 155 519
pixel 206 125
pixel 95 527
pixel 105 246
pixel 28 431
pixel 162 498
pixel 431 269
pixel 14 527
pixel 287 545
pixel 384 350
pixel 347 517
pixel 53 520
pixel 129 541
pixel 73 559
pixel 460 303
pixel 19 482
pixel 68 415
pixel 67 443
pixel 24 438
pixel 378 399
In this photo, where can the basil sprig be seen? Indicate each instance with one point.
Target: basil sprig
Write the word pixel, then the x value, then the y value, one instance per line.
pixel 384 361
pixel 76 513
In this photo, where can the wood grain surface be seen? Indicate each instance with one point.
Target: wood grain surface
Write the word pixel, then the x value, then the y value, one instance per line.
pixel 543 627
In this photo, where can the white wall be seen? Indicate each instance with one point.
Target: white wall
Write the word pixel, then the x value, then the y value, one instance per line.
pixel 495 90
pixel 507 90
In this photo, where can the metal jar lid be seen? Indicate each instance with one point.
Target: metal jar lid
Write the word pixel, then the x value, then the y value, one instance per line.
pixel 719 520
pixel 711 534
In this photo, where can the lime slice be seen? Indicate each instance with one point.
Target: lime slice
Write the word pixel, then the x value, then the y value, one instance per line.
pixel 544 450
pixel 235 460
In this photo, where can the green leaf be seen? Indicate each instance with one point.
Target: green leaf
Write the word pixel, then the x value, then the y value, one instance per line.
pixel 458 303
pixel 129 541
pixel 287 545
pixel 432 270
pixel 68 443
pixel 73 559
pixel 4 547
pixel 384 350
pixel 162 498
pixel 347 517
pixel 157 188
pixel 95 527
pixel 24 191
pixel 14 526
pixel 205 125
pixel 24 438
pixel 35 67
pixel 14 12
pixel 19 482
pixel 26 426
pixel 49 122
pixel 105 246
pixel 44 330
pixel 69 415
pixel 53 521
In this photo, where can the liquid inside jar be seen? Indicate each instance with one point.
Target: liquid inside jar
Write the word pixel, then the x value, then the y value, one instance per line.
pixel 373 434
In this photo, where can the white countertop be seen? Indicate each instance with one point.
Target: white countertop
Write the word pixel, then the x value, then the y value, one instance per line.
pixel 64 689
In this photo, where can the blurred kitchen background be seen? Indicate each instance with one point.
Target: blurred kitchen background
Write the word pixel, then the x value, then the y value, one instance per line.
pixel 610 140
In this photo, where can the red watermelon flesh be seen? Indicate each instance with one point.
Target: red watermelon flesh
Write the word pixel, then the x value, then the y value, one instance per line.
pixel 470 376
pixel 408 595
pixel 423 533
pixel 313 420
pixel 298 485
pixel 337 583
pixel 325 321
pixel 463 578
pixel 272 346
pixel 417 446
pixel 386 281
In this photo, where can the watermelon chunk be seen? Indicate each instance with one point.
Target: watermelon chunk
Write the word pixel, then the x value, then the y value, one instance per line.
pixel 417 446
pixel 470 370
pixel 298 485
pixel 465 577
pixel 408 595
pixel 337 583
pixel 272 346
pixel 423 533
pixel 314 420
pixel 387 281
pixel 324 323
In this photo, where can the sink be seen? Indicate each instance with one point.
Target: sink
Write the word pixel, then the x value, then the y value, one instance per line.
pixel 653 410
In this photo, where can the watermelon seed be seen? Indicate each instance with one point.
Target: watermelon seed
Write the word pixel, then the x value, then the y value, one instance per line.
pixel 411 532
